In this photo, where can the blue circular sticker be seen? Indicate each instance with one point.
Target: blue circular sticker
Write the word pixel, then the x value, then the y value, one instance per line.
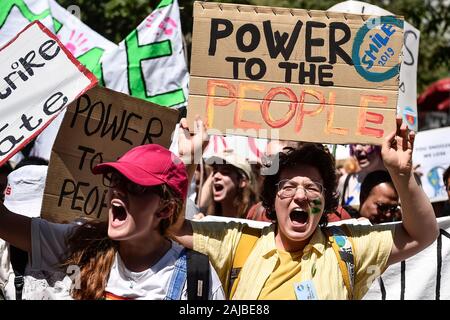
pixel 378 41
pixel 340 241
pixel 410 117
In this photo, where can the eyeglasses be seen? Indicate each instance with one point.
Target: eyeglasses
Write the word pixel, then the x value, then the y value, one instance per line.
pixel 288 188
pixel 385 208
pixel 114 180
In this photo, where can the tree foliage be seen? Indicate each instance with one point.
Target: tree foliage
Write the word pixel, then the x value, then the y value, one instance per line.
pixel 114 19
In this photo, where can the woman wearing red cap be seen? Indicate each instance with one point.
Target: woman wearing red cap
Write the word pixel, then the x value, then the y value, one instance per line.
pixel 130 256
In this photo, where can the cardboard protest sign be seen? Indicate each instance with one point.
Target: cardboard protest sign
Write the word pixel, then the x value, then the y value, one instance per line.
pixel 407 95
pixel 432 152
pixel 39 79
pixel 311 75
pixel 98 127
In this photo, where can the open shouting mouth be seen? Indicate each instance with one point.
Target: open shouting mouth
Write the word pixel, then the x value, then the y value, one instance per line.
pixel 118 213
pixel 299 217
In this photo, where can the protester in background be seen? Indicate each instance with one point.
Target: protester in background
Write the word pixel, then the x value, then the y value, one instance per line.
pixel 24 196
pixel 5 169
pixel 295 252
pixel 446 207
pixel 129 256
pixel 230 188
pixel 379 202
pixel 369 159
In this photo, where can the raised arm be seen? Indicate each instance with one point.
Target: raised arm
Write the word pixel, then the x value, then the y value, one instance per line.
pixel 15 229
pixel 190 150
pixel 418 228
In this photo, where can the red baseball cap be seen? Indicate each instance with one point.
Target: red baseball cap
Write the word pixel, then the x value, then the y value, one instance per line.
pixel 150 165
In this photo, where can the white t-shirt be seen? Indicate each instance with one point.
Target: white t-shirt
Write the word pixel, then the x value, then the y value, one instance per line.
pixel 49 249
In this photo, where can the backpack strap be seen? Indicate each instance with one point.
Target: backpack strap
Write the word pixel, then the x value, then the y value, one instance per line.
pixel 343 248
pixel 244 247
pixel 198 269
pixel 193 267
pixel 178 278
pixel 19 259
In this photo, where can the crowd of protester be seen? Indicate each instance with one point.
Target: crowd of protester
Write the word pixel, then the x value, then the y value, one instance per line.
pixel 263 236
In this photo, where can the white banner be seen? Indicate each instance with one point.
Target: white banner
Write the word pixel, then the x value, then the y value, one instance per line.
pixel 17 14
pixel 432 152
pixel 150 63
pixel 425 276
pixel 84 44
pixel 407 95
pixel 39 79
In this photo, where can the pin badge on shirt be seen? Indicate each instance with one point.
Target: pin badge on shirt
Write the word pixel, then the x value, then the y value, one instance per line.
pixel 305 290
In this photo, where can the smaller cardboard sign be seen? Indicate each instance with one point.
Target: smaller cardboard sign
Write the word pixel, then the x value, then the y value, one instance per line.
pixel 307 75
pixel 432 152
pixel 99 126
pixel 39 78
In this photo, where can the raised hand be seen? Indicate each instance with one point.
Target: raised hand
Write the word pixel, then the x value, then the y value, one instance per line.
pixel 190 147
pixel 397 150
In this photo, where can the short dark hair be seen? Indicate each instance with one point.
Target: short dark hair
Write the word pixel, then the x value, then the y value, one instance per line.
pixel 371 181
pixel 312 154
pixel 446 176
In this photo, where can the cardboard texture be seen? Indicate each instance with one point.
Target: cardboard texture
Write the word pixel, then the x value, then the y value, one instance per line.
pixel 98 127
pixel 39 78
pixel 311 75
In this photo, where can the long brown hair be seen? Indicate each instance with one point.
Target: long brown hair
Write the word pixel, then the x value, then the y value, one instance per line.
pixel 93 251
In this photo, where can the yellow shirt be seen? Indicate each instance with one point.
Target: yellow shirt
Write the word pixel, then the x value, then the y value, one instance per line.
pixel 371 248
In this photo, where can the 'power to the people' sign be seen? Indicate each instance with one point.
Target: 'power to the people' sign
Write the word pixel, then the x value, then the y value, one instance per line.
pixel 312 75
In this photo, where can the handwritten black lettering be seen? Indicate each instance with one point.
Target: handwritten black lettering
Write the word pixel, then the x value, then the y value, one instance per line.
pixel 249 67
pixel 129 128
pixel 335 46
pixel 235 61
pixel 255 37
pixel 217 34
pixel 313 42
pixel 52 100
pixel 149 133
pixel 303 73
pixel 27 63
pixel 13 141
pixel 27 124
pixel 45 48
pixel 406 35
pixel 276 43
pixel 288 66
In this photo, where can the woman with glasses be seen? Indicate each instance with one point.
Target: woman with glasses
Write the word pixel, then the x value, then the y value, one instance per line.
pixel 295 257
pixel 379 202
pixel 129 256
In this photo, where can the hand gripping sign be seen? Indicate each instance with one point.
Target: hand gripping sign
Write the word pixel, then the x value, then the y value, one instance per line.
pixel 312 75
pixel 38 79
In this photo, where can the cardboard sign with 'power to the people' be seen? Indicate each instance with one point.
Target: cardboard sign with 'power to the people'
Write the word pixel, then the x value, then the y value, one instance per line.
pixel 311 75
pixel 39 78
pixel 100 126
